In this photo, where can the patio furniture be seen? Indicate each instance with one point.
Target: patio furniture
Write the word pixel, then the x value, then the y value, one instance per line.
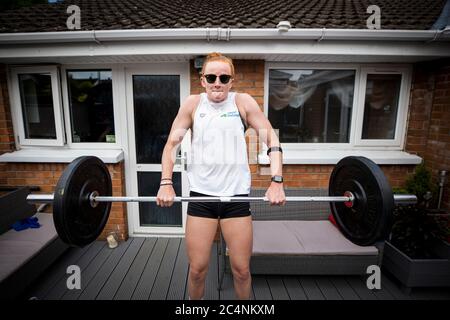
pixel 25 254
pixel 299 239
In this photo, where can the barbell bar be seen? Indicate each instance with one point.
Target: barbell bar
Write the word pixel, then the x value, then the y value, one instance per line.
pixel 399 199
pixel 360 197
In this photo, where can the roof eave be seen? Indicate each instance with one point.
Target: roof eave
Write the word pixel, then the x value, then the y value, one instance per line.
pixel 226 34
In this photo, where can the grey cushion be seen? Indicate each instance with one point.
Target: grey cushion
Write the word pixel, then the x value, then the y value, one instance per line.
pixel 303 238
pixel 17 247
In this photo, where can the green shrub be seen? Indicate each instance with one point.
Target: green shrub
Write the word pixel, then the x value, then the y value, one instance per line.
pixel 416 229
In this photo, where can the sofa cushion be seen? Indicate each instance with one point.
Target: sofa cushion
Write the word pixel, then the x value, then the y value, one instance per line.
pixel 17 247
pixel 319 237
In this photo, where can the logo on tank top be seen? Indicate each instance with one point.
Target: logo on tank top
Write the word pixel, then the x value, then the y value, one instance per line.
pixel 202 115
pixel 230 114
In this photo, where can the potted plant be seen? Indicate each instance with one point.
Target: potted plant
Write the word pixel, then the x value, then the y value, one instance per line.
pixel 417 252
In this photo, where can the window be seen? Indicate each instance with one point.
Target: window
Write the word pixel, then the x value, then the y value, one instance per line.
pixel 35 92
pixel 344 107
pixel 381 106
pixel 308 105
pixel 383 103
pixel 91 105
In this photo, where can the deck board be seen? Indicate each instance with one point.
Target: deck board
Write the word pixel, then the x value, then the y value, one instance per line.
pixel 60 290
pixel 312 291
pixel 157 268
pixel 48 280
pixel 161 286
pixel 115 280
pixel 277 288
pixel 131 279
pixel 178 282
pixel 96 284
pixel 145 284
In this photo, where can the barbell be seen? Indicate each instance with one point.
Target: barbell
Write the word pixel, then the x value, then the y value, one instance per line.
pixel 360 197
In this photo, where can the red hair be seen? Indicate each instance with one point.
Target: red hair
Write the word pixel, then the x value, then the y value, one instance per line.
pixel 216 56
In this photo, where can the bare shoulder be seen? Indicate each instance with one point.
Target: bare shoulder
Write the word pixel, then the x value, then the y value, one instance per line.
pixel 190 103
pixel 247 102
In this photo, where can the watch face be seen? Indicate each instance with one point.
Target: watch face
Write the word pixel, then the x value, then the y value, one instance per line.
pixel 277 178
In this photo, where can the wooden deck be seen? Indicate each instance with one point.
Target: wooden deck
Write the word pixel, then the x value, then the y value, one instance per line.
pixel 157 269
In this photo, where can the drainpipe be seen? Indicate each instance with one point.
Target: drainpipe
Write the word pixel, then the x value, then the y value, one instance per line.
pixel 442 179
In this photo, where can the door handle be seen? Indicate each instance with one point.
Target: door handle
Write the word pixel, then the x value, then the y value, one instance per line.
pixel 182 160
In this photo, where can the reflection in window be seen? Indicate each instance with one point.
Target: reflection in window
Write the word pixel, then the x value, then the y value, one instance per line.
pixel 311 105
pixel 91 105
pixel 37 106
pixel 381 106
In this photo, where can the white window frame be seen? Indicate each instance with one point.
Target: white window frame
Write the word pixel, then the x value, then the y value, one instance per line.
pixel 311 145
pixel 402 108
pixel 116 74
pixel 16 105
pixel 355 129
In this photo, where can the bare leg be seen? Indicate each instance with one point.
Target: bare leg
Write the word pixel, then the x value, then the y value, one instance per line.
pixel 238 234
pixel 200 234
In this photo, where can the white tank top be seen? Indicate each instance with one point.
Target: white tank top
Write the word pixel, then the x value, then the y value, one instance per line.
pixel 218 163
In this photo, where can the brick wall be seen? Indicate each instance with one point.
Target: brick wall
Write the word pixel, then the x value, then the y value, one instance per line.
pixel 6 127
pixel 46 175
pixel 428 127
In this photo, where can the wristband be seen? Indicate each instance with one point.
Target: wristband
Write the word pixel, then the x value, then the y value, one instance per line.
pixel 166 179
pixel 274 149
pixel 166 184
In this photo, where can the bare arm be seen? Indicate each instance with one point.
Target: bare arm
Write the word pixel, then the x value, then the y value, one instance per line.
pixel 258 121
pixel 180 125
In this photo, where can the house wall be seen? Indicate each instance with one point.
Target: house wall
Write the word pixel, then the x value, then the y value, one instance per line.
pixel 46 175
pixel 428 136
pixel 250 79
pixel 428 127
pixel 6 127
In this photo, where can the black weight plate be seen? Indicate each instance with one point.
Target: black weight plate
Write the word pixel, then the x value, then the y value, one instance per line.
pixel 76 221
pixel 370 217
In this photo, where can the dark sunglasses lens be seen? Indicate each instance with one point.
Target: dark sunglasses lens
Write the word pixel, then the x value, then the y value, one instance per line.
pixel 211 78
pixel 224 78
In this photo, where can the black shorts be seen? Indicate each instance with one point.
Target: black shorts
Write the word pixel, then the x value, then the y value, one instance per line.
pixel 216 210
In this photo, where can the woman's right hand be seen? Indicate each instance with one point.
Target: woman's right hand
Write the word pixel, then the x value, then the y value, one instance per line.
pixel 165 196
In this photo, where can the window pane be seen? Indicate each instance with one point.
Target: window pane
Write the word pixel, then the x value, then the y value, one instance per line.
pixel 156 102
pixel 91 105
pixel 311 105
pixel 381 106
pixel 37 106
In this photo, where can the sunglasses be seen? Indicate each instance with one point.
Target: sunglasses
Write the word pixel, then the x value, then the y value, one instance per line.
pixel 211 78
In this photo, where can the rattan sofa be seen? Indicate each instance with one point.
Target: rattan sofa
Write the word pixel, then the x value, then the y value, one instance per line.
pixel 299 239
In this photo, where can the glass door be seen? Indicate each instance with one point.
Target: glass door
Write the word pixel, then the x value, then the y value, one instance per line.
pixel 154 95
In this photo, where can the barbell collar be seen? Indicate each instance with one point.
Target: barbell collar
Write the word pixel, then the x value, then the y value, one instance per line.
pixel 405 199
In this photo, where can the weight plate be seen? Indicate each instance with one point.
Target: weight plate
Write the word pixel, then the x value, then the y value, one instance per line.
pixel 76 221
pixel 370 217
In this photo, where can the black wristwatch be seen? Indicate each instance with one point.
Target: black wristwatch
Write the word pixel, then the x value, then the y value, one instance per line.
pixel 277 179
